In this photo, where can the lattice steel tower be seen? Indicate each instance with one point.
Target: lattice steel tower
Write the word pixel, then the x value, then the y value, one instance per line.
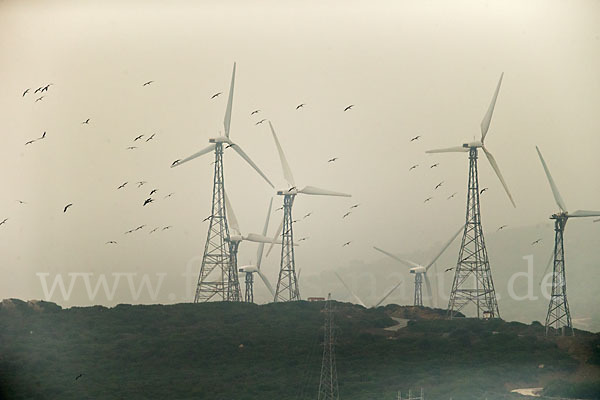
pixel 558 316
pixel 328 384
pixel 287 284
pixel 218 278
pixel 473 278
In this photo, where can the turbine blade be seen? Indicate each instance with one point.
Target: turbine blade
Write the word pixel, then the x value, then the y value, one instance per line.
pixel 428 288
pixel 227 120
pixel 462 228
pixel 287 172
pixel 408 263
pixel 245 156
pixel 266 281
pixel 298 275
pixel 255 237
pixel 496 169
pixel 585 213
pixel 387 295
pixel 555 192
pixel 261 246
pixel 351 292
pixel 231 219
pixel 324 192
pixel 205 150
pixel 275 237
pixel 487 119
pixel 456 149
pixel 547 266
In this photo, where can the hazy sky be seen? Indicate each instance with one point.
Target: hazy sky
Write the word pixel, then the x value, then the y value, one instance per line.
pixel 410 68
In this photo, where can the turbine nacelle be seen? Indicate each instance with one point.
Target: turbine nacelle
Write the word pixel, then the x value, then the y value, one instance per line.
pixel 290 191
pixel 248 268
pixel 475 144
pixel 220 139
pixel 418 270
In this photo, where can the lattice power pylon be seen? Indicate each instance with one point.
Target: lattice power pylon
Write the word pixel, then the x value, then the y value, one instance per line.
pixel 559 316
pixel 328 384
pixel 473 278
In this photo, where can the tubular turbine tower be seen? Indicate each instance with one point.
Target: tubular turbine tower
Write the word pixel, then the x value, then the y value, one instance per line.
pixel 218 278
pixel 473 278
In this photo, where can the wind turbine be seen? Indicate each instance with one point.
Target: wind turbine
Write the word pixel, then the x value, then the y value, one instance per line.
pixel 559 316
pixel 223 283
pixel 420 271
pixel 472 257
pixel 287 283
pixel 359 300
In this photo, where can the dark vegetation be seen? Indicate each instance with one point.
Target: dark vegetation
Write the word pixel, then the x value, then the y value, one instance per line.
pixel 246 351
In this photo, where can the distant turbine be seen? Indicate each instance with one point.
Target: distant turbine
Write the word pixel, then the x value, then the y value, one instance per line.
pixel 287 284
pixel 223 284
pixel 559 316
pixel 359 300
pixel 473 278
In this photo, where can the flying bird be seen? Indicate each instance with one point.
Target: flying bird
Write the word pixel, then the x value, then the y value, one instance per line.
pixel 427 199
pixel 260 122
pixel 46 87
pixel 280 208
pixel 131 148
pixel 141 183
pixel 434 165
pixel 415 138
pixel 87 121
pixel 25 92
pixel 307 215
pixel 413 167
pixel 140 227
pixel 147 83
pixel 207 218
pixel 38 90
pixel 483 190
pixel 536 241
pixel 439 185
pixel 346 244
pixel 348 213
pixel 451 196
pixel 3 222
pixel 67 207
pixel 167 227
pixel 39 98
pixel 299 106
pixel 254 112
pixel 502 227
pixel 354 206
pixel 31 141
pixel 216 95
pixel 230 145
pixel 175 162
pixel 448 269
pixel 138 137
pixel 148 201
pixel 111 242
pixel 154 230
pixel 332 159
pixel 292 188
pixel 304 238
pixel 122 185
pixel 43 135
pixel 169 195
pixel 78 376
pixel 153 191
pixel 151 137
pixel 349 107
pixel 21 202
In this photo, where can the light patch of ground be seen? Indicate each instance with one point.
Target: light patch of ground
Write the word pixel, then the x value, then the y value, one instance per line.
pixel 534 392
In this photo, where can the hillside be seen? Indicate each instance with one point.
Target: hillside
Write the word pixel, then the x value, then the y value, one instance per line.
pixel 273 351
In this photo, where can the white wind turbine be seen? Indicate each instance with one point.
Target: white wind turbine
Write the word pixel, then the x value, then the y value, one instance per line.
pixel 287 283
pixel 559 316
pixel 420 271
pixel 359 300
pixel 223 283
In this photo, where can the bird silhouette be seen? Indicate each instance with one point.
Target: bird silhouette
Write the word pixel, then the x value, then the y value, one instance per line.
pixel 122 185
pixel 502 227
pixel 439 185
pixel 216 95
pixel 413 167
pixel 448 269
pixel 332 159
pixel 346 244
pixel 25 92
pixel 302 239
pixel 349 107
pixel 38 90
pixel 87 121
pixel 299 106
pixel 536 241
pixel 166 227
pixel 147 83
pixel 292 188
pixel 67 207
pixel 31 141
pixel 148 201
pixel 260 122
pixel 254 112
pixel 151 137
pixel 21 202
pixel 138 137
pixel 111 242
pixel 354 206
pixel 78 376
pixel 154 230
pixel 169 195
pixel 415 138
pixel 153 191
pixel 39 98
pixel 280 208
pixel 140 227
pixel 483 190
pixel 175 162
pixel 451 196
pixel 131 148
pixel 4 221
pixel 207 218
pixel 434 165
pixel 46 87
pixel 43 135
pixel 230 145
pixel 141 183
pixel 427 199
pixel 345 215
pixel 307 215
